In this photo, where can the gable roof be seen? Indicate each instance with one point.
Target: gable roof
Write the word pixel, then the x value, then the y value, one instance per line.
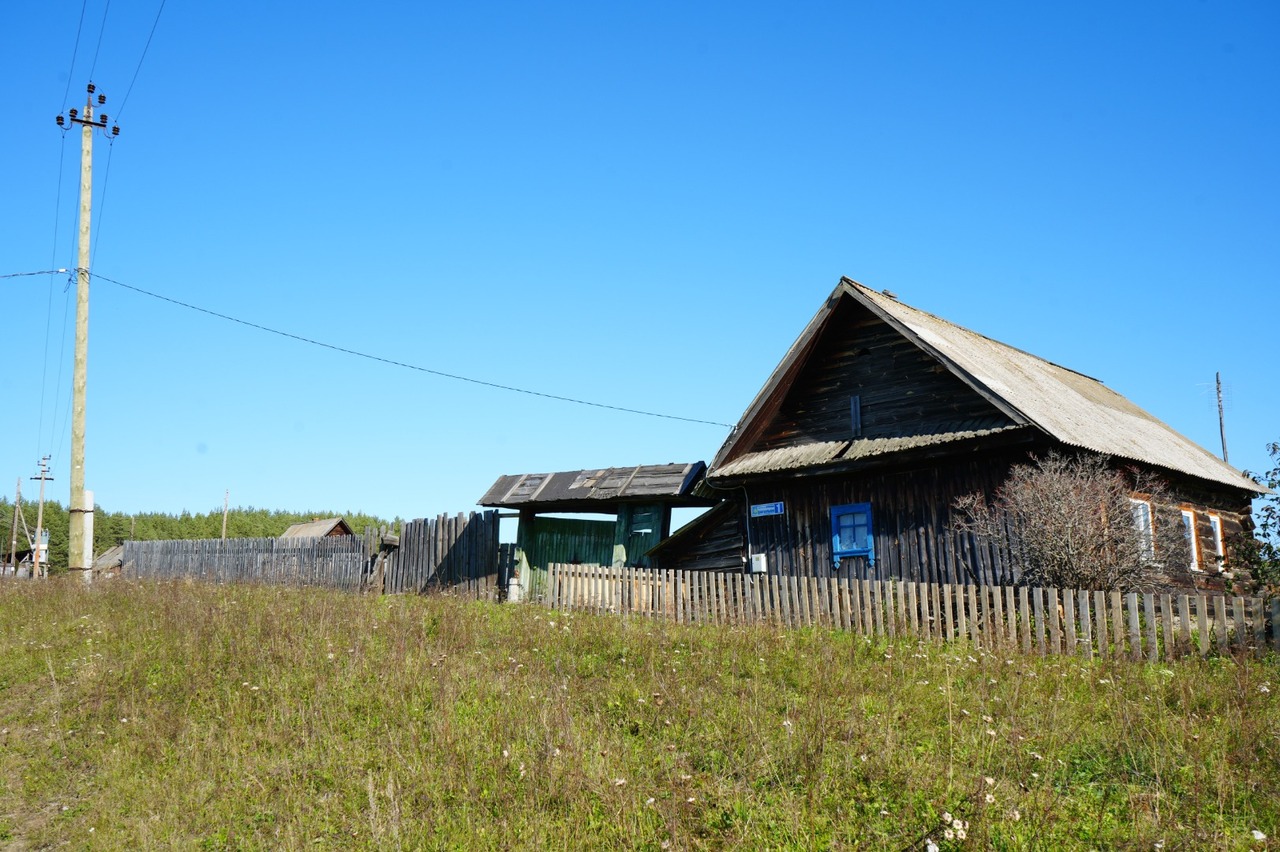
pixel 319 528
pixel 1070 407
pixel 597 489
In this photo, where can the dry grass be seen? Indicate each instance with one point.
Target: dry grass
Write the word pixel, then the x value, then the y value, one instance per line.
pixel 182 715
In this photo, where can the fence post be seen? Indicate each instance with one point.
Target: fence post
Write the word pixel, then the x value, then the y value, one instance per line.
pixel 1149 607
pixel 1135 634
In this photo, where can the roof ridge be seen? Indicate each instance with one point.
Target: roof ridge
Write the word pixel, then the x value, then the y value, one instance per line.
pixel 879 295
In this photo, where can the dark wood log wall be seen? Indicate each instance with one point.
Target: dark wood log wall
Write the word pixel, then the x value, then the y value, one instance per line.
pixel 903 390
pixel 911 524
pixel 910 518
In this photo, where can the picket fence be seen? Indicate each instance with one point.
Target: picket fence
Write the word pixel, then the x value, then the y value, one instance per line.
pixel 1139 625
pixel 339 562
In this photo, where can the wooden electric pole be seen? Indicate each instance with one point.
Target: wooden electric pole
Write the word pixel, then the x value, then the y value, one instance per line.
pixel 78 547
pixel 226 499
pixel 1222 423
pixel 13 539
pixel 39 544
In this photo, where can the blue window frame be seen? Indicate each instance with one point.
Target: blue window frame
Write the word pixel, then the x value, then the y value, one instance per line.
pixel 851 532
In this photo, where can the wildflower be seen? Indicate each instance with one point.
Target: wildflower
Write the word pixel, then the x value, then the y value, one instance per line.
pixel 991 782
pixel 649 801
pixel 961 834
pixel 1264 688
pixel 946 817
pixel 990 732
pixel 883 812
pixel 988 719
pixel 331 655
pixel 691 799
pixel 1258 835
pixel 506 753
pixel 930 846
pixel 786 723
pixel 619 782
pixel 1015 814
pixel 949 834
pixel 991 800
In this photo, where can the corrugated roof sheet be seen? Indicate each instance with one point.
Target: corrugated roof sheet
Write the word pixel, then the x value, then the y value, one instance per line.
pixel 807 456
pixel 1073 408
pixel 601 486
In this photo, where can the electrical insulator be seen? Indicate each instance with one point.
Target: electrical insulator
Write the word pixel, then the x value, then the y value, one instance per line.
pixel 102 99
pixel 115 131
pixel 102 119
pixel 60 120
pixel 73 113
pixel 91 88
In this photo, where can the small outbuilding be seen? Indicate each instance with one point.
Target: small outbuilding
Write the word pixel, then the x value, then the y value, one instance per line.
pixel 639 498
pixel 318 528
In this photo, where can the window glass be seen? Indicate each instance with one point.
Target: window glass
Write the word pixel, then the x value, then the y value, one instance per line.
pixel 1189 530
pixel 851 532
pixel 1142 520
pixel 1219 551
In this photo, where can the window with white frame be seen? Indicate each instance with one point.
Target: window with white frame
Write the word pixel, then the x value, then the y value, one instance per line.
pixel 851 532
pixel 1142 521
pixel 1189 530
pixel 1219 550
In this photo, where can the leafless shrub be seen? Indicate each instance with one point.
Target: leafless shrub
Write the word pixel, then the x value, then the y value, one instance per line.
pixel 1069 522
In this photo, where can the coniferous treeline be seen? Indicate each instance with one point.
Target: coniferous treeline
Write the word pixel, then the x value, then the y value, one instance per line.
pixel 112 528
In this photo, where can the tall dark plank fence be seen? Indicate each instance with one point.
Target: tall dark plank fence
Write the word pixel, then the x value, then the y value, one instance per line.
pixel 1138 625
pixel 339 562
pixel 455 553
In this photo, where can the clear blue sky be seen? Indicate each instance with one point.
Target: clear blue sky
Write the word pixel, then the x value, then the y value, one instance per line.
pixel 638 204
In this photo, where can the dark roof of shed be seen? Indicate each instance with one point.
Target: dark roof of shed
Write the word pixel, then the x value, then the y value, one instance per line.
pixel 595 490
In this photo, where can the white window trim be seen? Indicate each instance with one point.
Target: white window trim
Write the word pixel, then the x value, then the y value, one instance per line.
pixel 1220 550
pixel 1189 527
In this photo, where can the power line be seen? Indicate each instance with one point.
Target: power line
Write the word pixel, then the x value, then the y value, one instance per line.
pixel 145 47
pixel 101 30
pixel 403 364
pixel 74 51
pixel 26 274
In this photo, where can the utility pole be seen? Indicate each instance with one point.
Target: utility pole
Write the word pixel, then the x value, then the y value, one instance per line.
pixel 39 548
pixel 77 545
pixel 13 540
pixel 1222 424
pixel 226 497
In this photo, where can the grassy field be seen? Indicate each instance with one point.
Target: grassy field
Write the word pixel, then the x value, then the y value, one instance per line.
pixel 189 716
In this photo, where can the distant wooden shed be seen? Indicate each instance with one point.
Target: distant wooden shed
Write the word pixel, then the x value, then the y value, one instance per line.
pixel 318 528
pixel 640 498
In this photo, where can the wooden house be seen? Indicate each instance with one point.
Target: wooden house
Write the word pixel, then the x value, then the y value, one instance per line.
pixel 850 459
pixel 640 499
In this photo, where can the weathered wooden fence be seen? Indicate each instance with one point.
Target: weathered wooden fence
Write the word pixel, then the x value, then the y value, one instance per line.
pixel 457 553
pixel 1137 625
pixel 339 562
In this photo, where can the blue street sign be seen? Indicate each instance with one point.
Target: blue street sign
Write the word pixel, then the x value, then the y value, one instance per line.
pixel 763 510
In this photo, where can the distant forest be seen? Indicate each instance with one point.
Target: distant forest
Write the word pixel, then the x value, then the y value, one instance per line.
pixel 112 528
